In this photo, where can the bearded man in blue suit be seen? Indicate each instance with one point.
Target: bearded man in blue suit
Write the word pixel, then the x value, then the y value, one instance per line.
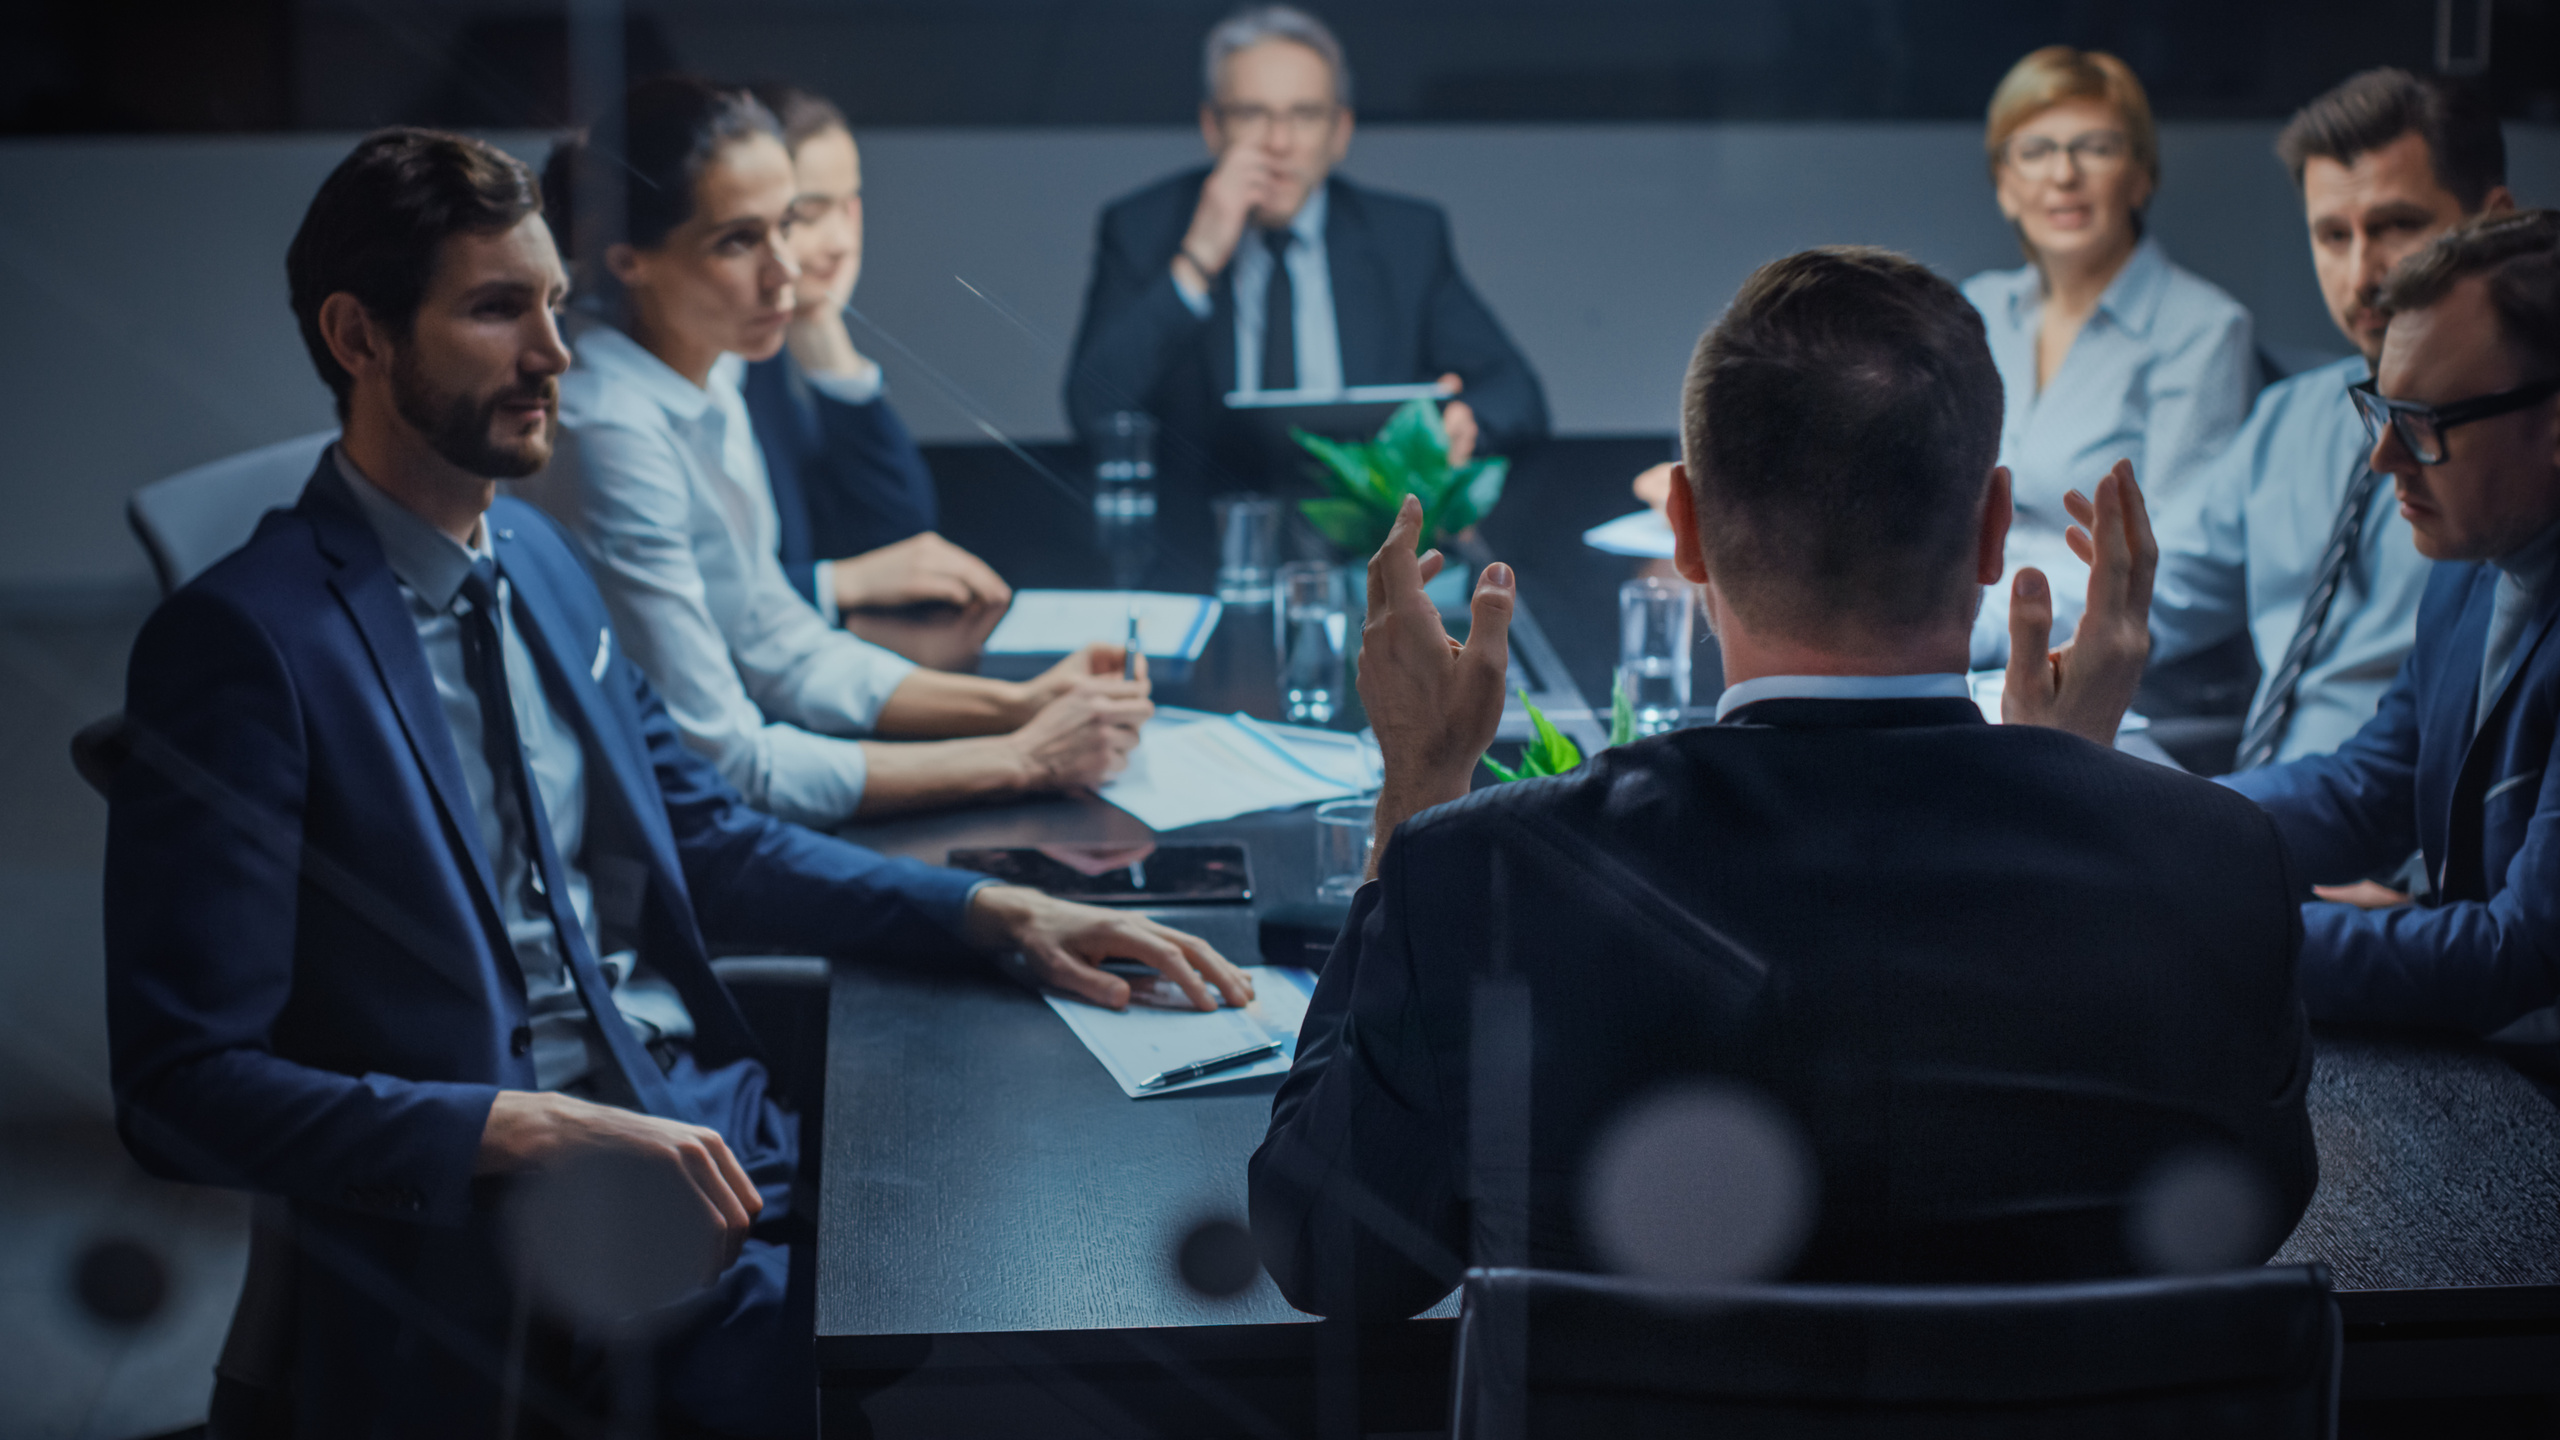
pixel 410 881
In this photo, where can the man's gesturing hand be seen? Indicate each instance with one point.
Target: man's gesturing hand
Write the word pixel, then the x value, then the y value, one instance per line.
pixel 530 1131
pixel 1435 703
pixel 2085 686
pixel 1065 944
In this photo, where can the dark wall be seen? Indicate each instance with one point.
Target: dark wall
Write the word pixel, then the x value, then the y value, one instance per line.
pixel 167 66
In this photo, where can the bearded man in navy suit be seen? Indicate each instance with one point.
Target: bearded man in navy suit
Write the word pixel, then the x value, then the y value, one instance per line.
pixel 410 884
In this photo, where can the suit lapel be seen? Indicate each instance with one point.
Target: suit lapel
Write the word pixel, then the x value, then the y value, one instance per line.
pixel 2451 711
pixel 1360 303
pixel 364 585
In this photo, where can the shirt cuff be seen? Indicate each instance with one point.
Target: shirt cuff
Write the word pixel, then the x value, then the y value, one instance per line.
pixel 1195 301
pixel 851 389
pixel 822 593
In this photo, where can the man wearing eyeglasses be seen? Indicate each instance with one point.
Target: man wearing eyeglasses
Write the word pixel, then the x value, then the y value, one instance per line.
pixel 2286 533
pixel 2464 415
pixel 1267 272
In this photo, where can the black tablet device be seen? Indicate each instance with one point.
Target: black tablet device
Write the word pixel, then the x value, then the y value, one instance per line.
pixel 1120 874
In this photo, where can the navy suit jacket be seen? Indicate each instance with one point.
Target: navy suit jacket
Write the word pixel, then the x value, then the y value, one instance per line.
pixel 1992 976
pixel 310 992
pixel 1402 310
pixel 2484 949
pixel 846 479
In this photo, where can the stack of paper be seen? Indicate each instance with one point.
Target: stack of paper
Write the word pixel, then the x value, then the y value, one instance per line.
pixel 1143 1041
pixel 1191 767
pixel 1055 622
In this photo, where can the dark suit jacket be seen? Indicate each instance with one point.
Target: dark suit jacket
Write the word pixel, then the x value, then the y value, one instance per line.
pixel 309 989
pixel 1402 310
pixel 847 479
pixel 1993 976
pixel 2484 949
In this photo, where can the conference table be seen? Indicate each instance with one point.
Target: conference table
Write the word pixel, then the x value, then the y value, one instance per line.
pixel 1007 1245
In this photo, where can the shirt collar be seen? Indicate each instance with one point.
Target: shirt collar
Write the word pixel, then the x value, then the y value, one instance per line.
pixel 618 359
pixel 431 563
pixel 2531 565
pixel 1308 223
pixel 2133 298
pixel 1841 687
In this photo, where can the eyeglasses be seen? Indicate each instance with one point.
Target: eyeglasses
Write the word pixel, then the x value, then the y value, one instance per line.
pixel 2097 150
pixel 2421 427
pixel 1254 119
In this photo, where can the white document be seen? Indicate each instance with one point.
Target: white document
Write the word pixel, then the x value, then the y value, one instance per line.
pixel 1645 535
pixel 1054 622
pixel 1144 1041
pixel 1191 768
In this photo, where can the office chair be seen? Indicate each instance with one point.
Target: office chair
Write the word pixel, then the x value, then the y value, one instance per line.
pixel 2246 1353
pixel 195 517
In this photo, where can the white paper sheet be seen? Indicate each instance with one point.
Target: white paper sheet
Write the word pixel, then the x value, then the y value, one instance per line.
pixel 1191 768
pixel 1645 535
pixel 1054 622
pixel 1144 1041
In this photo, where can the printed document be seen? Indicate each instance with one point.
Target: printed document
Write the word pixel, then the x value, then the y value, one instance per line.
pixel 1144 1041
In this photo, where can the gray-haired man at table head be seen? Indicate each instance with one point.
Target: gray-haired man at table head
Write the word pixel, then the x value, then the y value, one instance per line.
pixel 1902 931
pixel 2294 537
pixel 1189 271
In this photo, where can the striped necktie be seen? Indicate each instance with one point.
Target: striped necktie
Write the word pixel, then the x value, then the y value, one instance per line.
pixel 2265 727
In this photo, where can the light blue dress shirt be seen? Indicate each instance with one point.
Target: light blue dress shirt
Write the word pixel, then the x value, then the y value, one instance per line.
pixel 1841 687
pixel 662 484
pixel 431 567
pixel 1319 343
pixel 2161 374
pixel 2244 543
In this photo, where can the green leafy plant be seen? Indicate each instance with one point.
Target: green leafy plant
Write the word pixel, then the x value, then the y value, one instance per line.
pixel 1370 478
pixel 1552 752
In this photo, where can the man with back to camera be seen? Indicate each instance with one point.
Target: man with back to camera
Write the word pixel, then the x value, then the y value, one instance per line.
pixel 1185 278
pixel 1903 927
pixel 410 876
pixel 2464 410
pixel 2303 545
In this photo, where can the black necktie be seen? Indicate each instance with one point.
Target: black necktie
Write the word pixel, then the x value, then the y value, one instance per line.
pixel 521 818
pixel 1279 317
pixel 2265 728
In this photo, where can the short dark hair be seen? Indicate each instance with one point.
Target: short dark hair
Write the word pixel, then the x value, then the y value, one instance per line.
pixel 670 128
pixel 380 221
pixel 803 115
pixel 2374 108
pixel 1840 422
pixel 2519 252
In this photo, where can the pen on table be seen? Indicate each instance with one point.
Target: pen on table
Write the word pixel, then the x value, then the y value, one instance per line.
pixel 1129 651
pixel 1210 1066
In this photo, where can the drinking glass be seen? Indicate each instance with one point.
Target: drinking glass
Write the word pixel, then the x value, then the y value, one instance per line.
pixel 1248 546
pixel 1124 467
pixel 1654 619
pixel 1313 621
pixel 1344 832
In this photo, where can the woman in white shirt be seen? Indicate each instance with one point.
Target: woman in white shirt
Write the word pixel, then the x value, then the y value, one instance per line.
pixel 660 478
pixel 2106 350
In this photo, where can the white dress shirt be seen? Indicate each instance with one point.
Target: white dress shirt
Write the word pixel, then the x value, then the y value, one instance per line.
pixel 2160 374
pixel 1841 687
pixel 1319 343
pixel 431 567
pixel 662 483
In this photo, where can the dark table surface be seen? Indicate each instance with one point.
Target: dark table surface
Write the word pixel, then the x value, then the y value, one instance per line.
pixel 998 1232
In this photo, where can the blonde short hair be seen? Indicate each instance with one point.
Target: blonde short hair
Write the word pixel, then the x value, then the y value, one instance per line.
pixel 2057 73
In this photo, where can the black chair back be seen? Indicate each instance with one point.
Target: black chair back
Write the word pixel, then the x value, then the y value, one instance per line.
pixel 2247 1353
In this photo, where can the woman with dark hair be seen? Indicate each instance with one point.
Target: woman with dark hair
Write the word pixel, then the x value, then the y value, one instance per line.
pixel 692 274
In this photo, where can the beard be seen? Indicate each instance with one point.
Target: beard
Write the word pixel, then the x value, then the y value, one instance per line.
pixel 458 426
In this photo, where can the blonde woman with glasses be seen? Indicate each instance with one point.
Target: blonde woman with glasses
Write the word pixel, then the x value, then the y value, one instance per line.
pixel 2106 350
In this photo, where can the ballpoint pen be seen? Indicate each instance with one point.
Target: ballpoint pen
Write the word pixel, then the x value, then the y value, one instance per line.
pixel 1210 1066
pixel 1129 651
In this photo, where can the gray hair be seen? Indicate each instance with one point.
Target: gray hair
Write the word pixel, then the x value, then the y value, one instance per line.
pixel 1256 23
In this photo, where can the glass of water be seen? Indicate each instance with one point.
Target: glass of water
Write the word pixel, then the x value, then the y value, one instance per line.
pixel 1248 546
pixel 1345 829
pixel 1313 624
pixel 1124 467
pixel 1654 620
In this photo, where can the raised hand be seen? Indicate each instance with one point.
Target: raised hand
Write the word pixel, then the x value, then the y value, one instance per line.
pixel 2085 686
pixel 1240 185
pixel 1434 702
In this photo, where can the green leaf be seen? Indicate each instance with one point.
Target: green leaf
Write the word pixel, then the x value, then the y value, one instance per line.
pixel 1501 771
pixel 1348 525
pixel 1415 443
pixel 1551 749
pixel 1346 472
pixel 1622 713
